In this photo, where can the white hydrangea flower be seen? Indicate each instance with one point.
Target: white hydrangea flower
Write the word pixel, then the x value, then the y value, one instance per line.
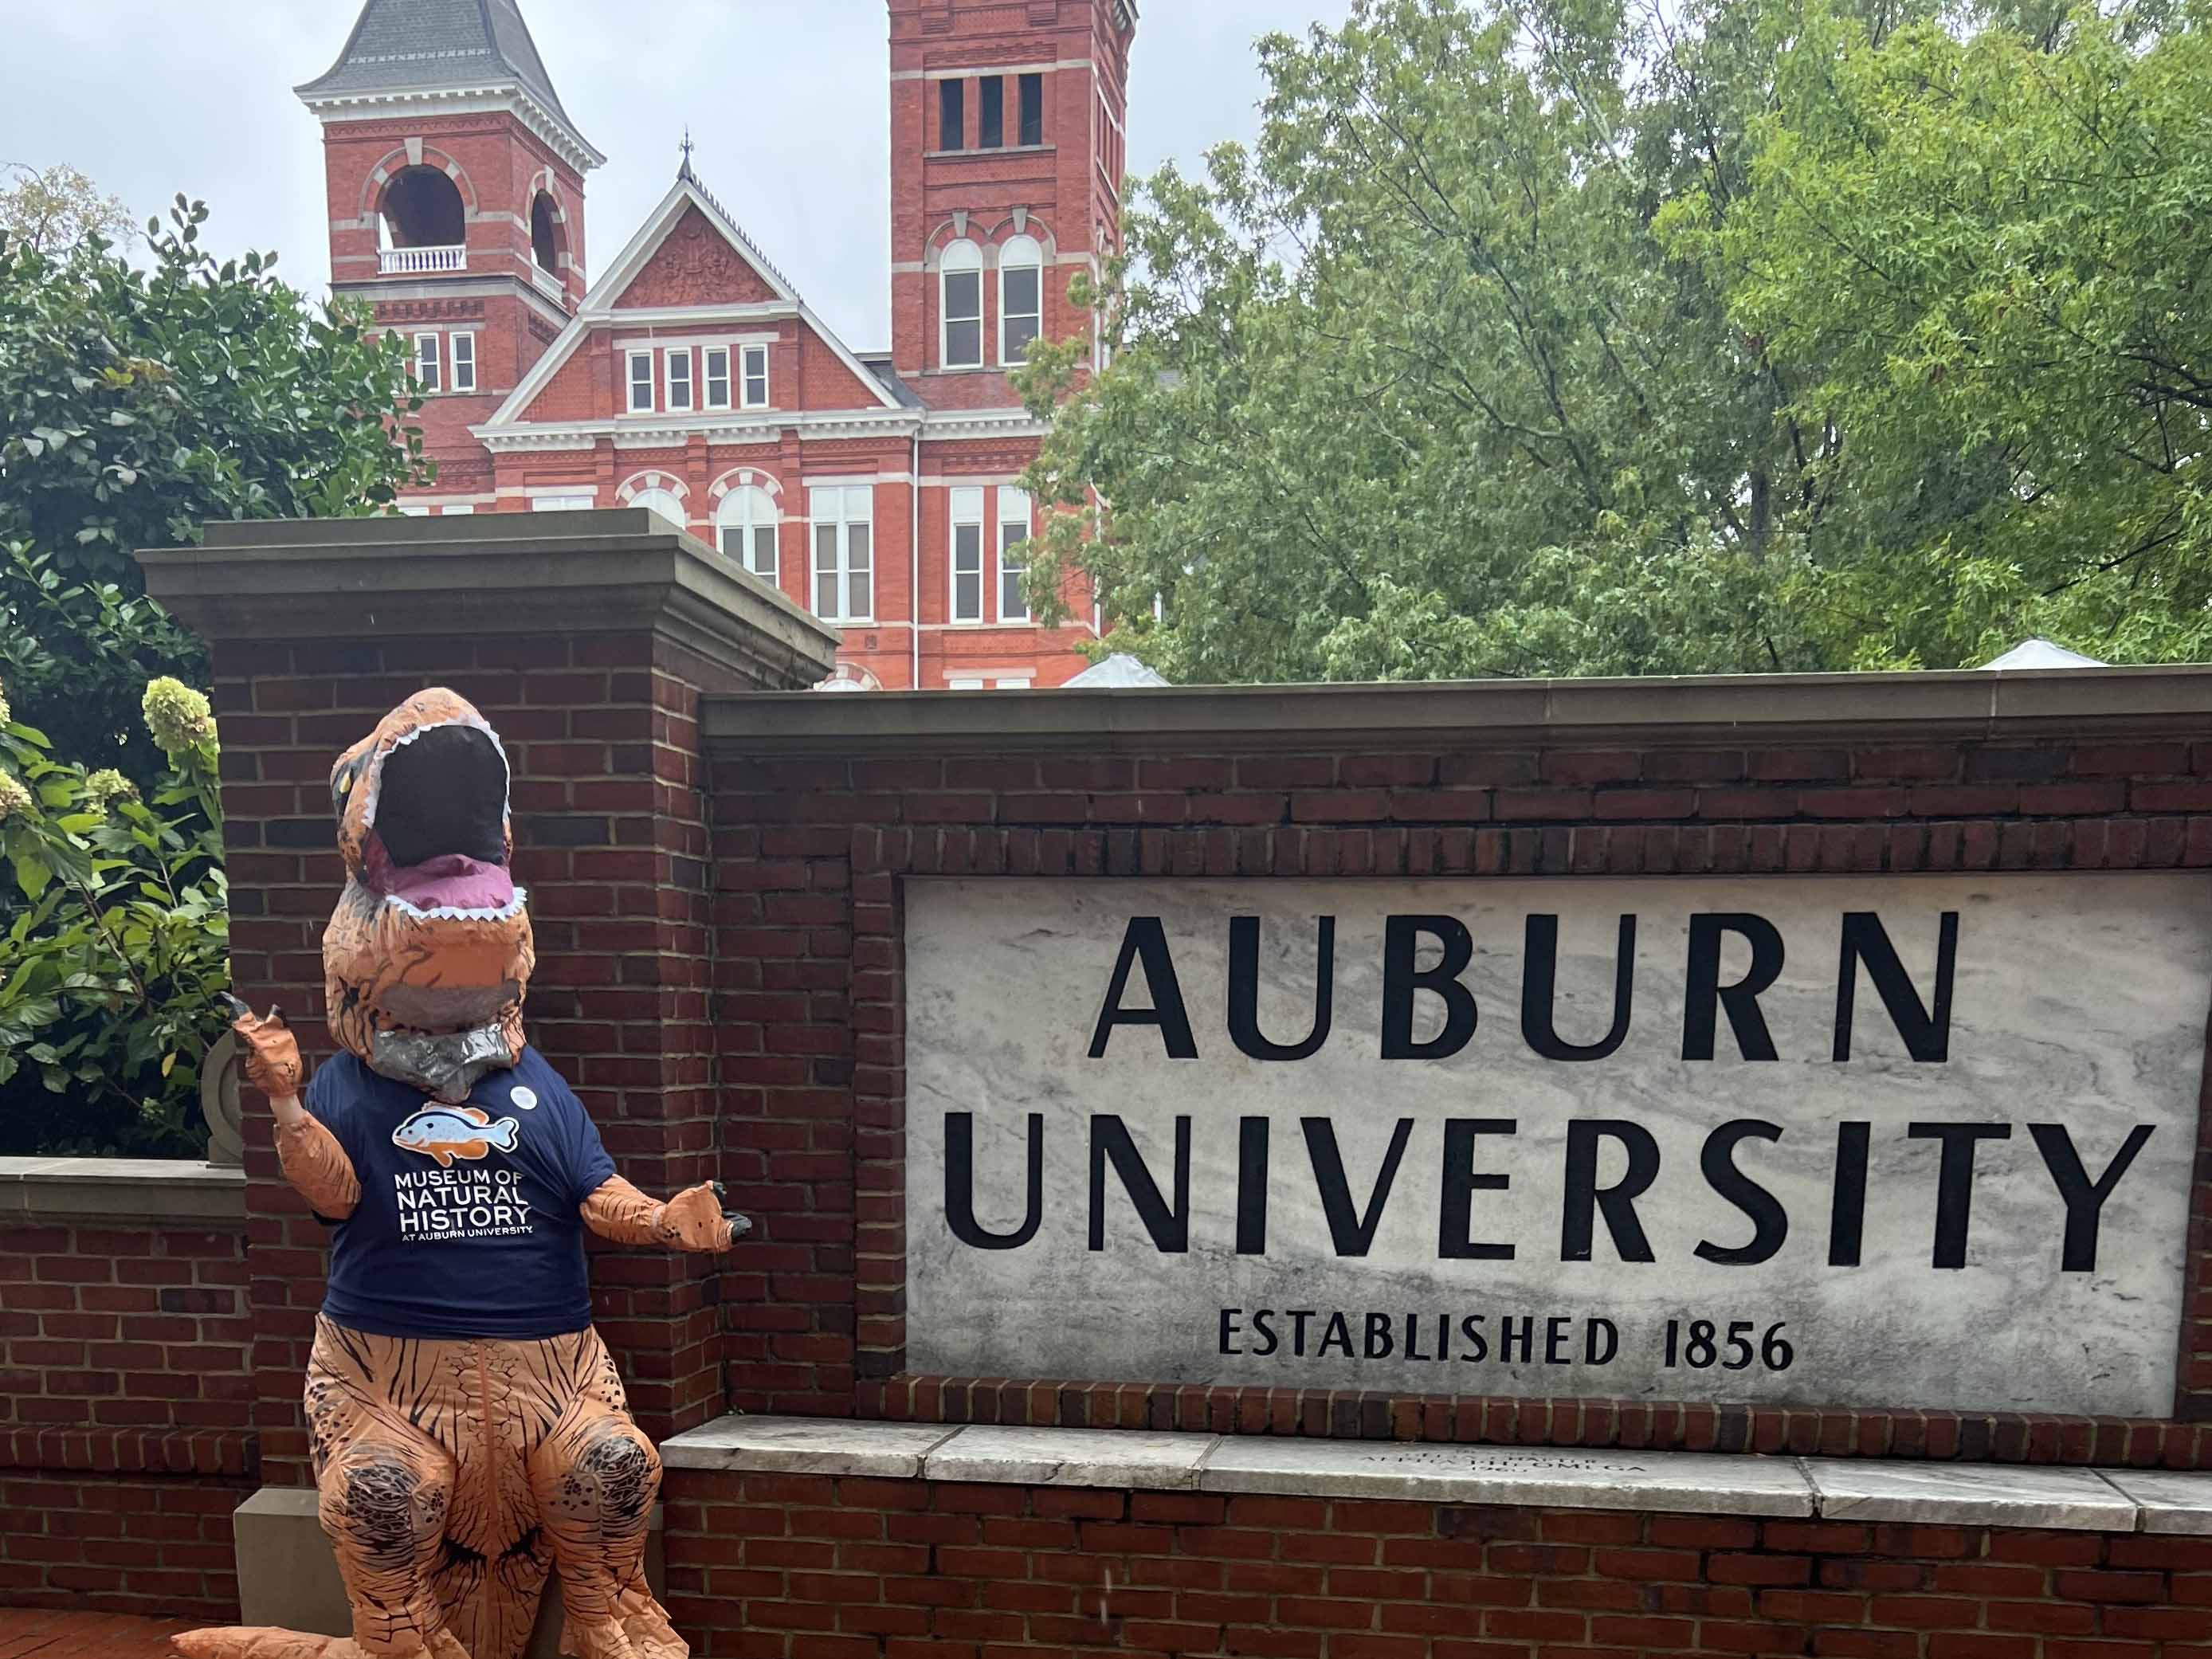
pixel 179 717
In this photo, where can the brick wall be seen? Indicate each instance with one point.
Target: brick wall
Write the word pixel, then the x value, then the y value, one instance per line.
pixel 813 842
pixel 123 1348
pixel 773 1565
pixel 126 1399
pixel 156 1545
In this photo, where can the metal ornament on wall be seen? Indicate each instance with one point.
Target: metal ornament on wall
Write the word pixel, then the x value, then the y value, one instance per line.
pixel 220 1104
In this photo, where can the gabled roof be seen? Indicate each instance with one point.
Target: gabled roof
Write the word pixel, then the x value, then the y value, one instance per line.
pixel 598 309
pixel 416 46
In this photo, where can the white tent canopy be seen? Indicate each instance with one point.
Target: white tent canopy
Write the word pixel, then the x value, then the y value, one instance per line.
pixel 2042 653
pixel 1119 671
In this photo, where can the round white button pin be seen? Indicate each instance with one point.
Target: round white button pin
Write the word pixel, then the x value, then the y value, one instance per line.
pixel 526 1098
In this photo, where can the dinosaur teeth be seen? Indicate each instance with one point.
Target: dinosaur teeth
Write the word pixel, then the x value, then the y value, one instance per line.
pixel 457 912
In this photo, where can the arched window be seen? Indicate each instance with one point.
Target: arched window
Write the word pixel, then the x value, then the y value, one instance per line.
pixel 422 209
pixel 1021 298
pixel 961 314
pixel 664 503
pixel 747 522
pixel 545 234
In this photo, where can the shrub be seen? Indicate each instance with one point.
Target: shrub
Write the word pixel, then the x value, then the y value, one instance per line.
pixel 114 939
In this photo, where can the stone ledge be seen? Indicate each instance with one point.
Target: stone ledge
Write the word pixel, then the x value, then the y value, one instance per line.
pixel 1676 1483
pixel 1724 710
pixel 512 574
pixel 126 1189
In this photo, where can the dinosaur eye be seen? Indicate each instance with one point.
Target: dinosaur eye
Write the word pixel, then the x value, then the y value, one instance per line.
pixel 342 783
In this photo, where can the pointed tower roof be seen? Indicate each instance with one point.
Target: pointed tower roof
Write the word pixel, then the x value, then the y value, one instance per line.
pixel 421 48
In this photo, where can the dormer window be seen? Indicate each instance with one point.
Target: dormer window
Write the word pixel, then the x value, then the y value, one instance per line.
pixel 952 115
pixel 962 346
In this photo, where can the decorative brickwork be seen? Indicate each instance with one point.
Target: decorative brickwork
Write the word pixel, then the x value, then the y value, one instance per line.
pixel 696 265
pixel 825 839
pixel 773 1565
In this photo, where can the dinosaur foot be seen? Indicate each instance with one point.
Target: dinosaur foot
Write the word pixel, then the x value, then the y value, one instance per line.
pixel 261 1642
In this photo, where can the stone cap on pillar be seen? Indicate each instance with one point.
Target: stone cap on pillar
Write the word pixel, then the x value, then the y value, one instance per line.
pixel 511 575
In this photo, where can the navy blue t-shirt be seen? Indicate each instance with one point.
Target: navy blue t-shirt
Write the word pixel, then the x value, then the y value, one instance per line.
pixel 467 1225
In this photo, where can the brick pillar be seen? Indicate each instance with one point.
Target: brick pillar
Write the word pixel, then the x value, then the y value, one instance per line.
pixel 588 640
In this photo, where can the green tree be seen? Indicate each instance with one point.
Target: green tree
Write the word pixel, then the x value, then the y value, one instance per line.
pixel 1996 251
pixel 136 403
pixel 57 209
pixel 1481 361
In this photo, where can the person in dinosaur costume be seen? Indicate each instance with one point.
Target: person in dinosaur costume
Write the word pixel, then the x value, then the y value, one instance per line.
pixel 468 1427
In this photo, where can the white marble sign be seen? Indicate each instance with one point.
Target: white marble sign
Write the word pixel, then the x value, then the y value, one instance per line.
pixel 1905 1141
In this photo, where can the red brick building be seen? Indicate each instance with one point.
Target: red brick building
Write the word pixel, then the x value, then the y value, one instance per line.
pixel 878 489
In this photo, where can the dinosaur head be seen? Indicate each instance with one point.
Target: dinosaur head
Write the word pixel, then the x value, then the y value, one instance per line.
pixel 427 956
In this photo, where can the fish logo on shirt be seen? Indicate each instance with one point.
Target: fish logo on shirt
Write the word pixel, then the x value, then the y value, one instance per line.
pixel 446 1132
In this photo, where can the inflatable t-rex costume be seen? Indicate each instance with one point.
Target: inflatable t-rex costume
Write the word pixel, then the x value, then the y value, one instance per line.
pixel 469 1430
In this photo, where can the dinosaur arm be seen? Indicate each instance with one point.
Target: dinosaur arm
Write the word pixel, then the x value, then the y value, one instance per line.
pixel 692 1220
pixel 311 1159
pixel 314 1162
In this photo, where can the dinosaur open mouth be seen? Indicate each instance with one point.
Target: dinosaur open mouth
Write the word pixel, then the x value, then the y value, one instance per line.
pixel 437 846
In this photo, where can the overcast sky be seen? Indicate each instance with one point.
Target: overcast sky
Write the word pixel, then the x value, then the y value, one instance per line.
pixel 787 98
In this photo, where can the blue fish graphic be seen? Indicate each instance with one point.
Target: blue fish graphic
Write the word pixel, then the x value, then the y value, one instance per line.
pixel 446 1132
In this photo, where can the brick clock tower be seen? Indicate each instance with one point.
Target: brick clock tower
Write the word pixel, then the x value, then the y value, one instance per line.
pixel 456 188
pixel 879 488
pixel 1008 123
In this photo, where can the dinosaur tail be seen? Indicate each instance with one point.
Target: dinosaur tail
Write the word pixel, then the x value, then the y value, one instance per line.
pixel 260 1642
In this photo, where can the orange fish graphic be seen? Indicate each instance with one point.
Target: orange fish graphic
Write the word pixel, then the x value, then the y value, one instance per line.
pixel 446 1132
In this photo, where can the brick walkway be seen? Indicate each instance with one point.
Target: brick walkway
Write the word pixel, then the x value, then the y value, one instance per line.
pixel 32 1633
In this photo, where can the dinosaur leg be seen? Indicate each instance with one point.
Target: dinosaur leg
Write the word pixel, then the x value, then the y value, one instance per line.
pixel 596 1477
pixel 385 1488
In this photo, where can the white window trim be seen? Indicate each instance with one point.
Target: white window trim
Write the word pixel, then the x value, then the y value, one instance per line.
pixel 729 383
pixel 434 381
pixel 458 509
pixel 671 357
pixel 726 518
pixel 454 357
pixel 964 683
pixel 820 496
pixel 946 272
pixel 965 512
pixel 1006 358
pixel 746 400
pixel 1026 518
pixel 1013 683
pixel 630 405
pixel 564 501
